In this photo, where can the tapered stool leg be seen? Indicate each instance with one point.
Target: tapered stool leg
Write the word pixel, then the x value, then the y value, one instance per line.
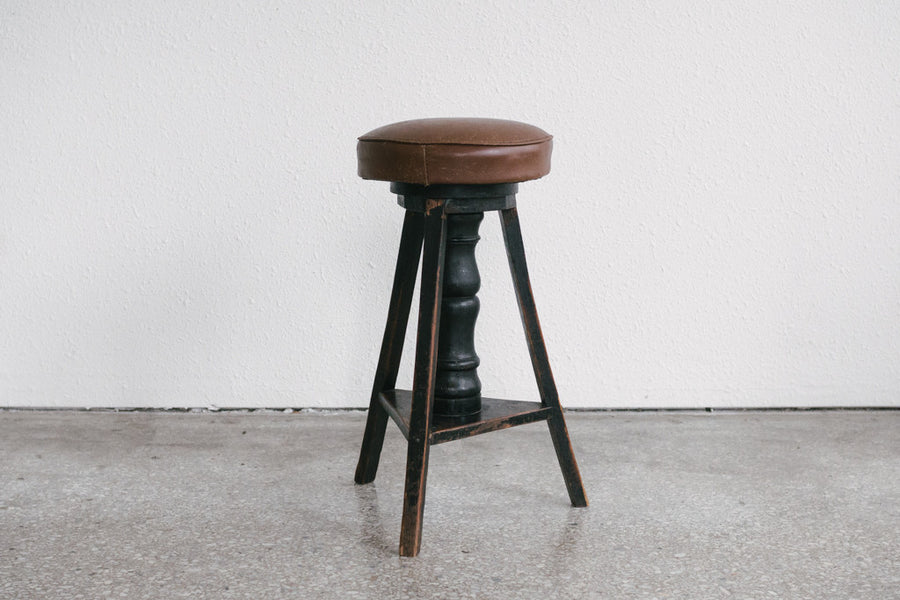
pixel 423 380
pixel 391 345
pixel 515 251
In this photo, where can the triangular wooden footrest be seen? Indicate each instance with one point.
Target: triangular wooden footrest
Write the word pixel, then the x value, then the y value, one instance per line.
pixel 495 414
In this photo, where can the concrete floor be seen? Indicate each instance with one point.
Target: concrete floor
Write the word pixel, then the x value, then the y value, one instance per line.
pixel 786 505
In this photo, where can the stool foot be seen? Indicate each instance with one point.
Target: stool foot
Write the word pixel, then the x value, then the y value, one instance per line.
pixel 391 345
pixel 515 252
pixel 373 440
pixel 414 496
pixel 423 379
pixel 566 458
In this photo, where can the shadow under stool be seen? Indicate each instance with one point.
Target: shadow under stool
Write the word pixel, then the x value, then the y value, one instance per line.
pixel 447 173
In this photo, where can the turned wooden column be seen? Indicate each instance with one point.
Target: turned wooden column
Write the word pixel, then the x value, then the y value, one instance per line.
pixel 457 390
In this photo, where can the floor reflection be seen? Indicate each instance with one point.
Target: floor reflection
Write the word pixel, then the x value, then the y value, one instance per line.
pixel 372 530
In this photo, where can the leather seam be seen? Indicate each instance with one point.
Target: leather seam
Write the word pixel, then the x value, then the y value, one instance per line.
pixel 425 163
pixel 479 144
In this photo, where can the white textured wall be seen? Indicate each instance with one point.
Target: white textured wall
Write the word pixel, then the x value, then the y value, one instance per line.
pixel 181 224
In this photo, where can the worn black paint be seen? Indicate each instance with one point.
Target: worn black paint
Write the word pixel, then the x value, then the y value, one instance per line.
pixel 392 344
pixel 440 408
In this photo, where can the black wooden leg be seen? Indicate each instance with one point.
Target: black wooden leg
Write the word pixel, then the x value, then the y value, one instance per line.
pixel 515 252
pixel 391 345
pixel 423 379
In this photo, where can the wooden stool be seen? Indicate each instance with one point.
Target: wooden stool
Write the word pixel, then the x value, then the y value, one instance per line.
pixel 446 174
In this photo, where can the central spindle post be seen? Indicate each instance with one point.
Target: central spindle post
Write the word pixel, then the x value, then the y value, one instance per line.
pixel 457 389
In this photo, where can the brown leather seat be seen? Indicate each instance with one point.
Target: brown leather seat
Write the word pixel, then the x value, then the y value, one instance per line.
pixel 461 151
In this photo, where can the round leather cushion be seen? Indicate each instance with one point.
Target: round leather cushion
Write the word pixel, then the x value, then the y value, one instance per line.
pixel 462 151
